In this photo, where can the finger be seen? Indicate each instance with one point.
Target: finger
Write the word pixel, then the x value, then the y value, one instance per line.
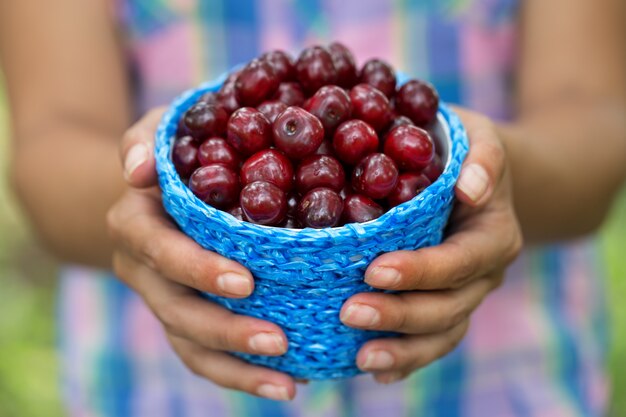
pixel 485 162
pixel 185 314
pixel 140 225
pixel 230 372
pixel 477 248
pixel 137 148
pixel 416 312
pixel 407 353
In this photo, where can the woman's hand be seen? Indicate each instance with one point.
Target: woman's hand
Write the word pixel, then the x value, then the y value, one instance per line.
pixel 167 269
pixel 442 285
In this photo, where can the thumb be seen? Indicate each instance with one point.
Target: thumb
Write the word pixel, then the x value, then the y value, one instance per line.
pixel 137 150
pixel 484 165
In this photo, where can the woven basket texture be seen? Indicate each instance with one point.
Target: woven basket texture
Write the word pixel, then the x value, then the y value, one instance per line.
pixel 302 277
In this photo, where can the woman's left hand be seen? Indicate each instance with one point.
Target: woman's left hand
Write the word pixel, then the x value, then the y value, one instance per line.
pixel 440 286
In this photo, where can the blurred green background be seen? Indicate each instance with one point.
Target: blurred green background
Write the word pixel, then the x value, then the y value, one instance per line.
pixel 28 366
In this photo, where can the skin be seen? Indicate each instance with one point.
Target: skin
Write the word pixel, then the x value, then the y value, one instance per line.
pixel 68 117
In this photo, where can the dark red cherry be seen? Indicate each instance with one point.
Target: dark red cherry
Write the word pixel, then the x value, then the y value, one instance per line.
pixel 354 140
pixel 290 93
pixel 330 104
pixel 434 169
pixel 203 120
pixel 217 151
pixel 256 82
pixel 315 69
pixel 297 132
pixel 400 120
pixel 185 156
pixel 226 95
pixel 271 109
pixel 291 223
pixel 236 212
pixel 409 185
pixel 380 75
pixel 360 209
pixel 263 203
pixel 343 60
pixel 292 204
pixel 346 191
pixel 418 100
pixel 216 185
pixel 371 106
pixel 320 171
pixel 410 147
pixel 182 130
pixel 282 63
pixel 326 148
pixel 209 97
pixel 249 131
pixel 320 208
pixel 269 165
pixel 375 176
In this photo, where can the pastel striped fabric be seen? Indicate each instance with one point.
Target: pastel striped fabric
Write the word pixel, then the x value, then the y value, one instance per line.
pixel 536 346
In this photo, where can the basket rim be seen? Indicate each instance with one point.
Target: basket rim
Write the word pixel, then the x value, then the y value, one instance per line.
pixel 456 137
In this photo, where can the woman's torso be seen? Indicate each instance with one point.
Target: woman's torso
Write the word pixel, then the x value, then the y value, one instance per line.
pixel 535 346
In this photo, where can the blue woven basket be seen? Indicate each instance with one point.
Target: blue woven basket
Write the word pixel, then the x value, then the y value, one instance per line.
pixel 303 277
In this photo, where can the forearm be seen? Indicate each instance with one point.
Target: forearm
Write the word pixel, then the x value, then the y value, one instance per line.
pixel 568 162
pixel 66 181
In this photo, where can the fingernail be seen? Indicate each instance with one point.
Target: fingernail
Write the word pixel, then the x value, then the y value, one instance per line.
pixel 234 284
pixel 383 276
pixel 360 315
pixel 390 378
pixel 473 181
pixel 378 360
pixel 268 343
pixel 137 155
pixel 273 392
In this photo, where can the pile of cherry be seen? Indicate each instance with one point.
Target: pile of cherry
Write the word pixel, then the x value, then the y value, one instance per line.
pixel 311 143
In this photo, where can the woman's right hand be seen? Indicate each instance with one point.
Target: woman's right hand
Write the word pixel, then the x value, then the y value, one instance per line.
pixel 168 269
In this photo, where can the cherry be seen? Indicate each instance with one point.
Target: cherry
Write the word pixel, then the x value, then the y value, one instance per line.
pixel 330 104
pixel 375 176
pixel 216 185
pixel 226 96
pixel 344 65
pixel 236 212
pixel 217 151
pixel 354 140
pixel 269 165
pixel 399 120
pixel 184 156
pixel 297 132
pixel 263 203
pixel 249 131
pixel 409 185
pixel 209 97
pixel 418 100
pixel 380 75
pixel 282 63
pixel 410 147
pixel 271 109
pixel 359 209
pixel 434 169
pixel 315 69
pixel 181 129
pixel 290 93
pixel 203 120
pixel 292 205
pixel 256 82
pixel 326 148
pixel 371 106
pixel 320 208
pixel 291 223
pixel 320 171
pixel 346 191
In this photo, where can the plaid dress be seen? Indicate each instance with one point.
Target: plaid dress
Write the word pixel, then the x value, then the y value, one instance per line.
pixel 536 346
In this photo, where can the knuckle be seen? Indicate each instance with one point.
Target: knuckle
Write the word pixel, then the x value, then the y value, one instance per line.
pixel 113 222
pixel 169 315
pixel 458 312
pixel 466 266
pixel 398 318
